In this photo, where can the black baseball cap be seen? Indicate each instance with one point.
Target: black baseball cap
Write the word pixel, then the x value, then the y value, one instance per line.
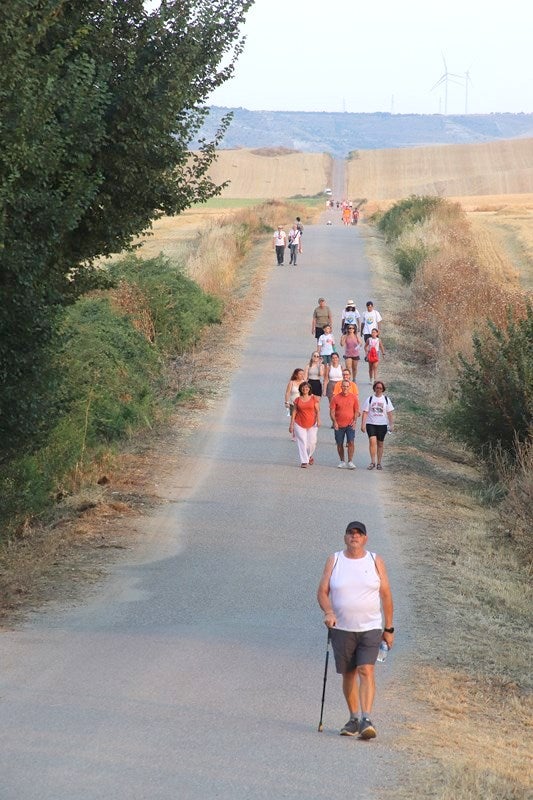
pixel 356 526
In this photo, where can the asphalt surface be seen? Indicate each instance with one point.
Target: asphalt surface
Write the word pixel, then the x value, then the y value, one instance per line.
pixel 196 671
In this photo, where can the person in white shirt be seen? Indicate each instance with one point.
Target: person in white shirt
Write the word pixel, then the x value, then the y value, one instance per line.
pixel 350 316
pixel 279 243
pixel 326 345
pixel 294 243
pixel 377 419
pixel 355 595
pixel 371 319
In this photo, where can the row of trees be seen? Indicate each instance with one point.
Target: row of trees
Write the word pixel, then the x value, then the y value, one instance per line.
pixel 99 101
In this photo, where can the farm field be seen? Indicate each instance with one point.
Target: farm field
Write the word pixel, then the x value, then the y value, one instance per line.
pixel 271 172
pixel 493 182
pixel 491 168
pixel 510 228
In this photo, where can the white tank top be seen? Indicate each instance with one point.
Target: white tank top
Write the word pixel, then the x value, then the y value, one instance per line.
pixel 354 593
pixel 335 374
pixel 295 391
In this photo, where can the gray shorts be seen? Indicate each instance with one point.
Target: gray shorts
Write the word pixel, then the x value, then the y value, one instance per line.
pixel 352 649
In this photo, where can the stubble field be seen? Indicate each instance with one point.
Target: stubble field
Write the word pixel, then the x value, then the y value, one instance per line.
pixel 491 168
pixel 271 172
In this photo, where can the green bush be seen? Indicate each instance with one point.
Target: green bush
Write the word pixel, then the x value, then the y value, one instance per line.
pixel 178 308
pixel 492 405
pixel 110 371
pixel 408 259
pixel 113 377
pixel 407 213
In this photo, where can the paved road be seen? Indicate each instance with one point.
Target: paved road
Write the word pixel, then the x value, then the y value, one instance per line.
pixel 196 671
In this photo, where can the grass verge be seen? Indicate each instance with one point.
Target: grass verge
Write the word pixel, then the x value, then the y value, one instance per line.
pixel 469 590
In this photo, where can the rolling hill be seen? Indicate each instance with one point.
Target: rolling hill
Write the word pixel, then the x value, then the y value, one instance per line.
pixel 339 133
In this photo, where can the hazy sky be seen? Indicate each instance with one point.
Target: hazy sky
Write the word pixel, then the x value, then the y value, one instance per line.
pixel 380 55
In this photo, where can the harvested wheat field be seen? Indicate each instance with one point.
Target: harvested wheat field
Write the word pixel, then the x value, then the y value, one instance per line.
pixel 492 168
pixel 271 172
pixel 506 222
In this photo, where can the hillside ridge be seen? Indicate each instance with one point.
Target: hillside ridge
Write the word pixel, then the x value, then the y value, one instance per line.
pixel 339 133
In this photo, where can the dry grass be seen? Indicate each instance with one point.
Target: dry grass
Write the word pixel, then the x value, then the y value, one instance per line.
pixel 480 758
pixel 172 235
pixel 515 509
pixel 465 277
pixel 213 250
pixel 271 173
pixel 511 227
pixel 131 299
pixel 501 167
pixel 469 589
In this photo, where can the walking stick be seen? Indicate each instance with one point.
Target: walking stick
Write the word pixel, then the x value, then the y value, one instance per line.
pixel 320 727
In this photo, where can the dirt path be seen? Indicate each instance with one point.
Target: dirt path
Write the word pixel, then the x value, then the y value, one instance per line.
pixel 196 671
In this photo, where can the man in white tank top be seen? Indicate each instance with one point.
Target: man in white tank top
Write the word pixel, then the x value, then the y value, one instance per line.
pixel 355 595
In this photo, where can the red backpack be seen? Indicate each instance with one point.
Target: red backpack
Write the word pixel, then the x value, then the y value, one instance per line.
pixel 373 355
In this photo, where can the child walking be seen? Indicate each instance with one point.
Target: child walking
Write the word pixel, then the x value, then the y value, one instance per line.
pixel 373 347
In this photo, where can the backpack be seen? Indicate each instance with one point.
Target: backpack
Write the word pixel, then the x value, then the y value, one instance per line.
pixel 373 355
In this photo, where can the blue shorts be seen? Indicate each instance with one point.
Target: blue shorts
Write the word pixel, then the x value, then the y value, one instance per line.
pixel 348 431
pixel 327 359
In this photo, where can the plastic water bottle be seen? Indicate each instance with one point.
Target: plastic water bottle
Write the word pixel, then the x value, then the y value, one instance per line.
pixel 383 651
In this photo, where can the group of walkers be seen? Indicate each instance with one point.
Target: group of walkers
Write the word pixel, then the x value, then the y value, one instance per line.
pixel 349 211
pixel 293 241
pixel 326 377
pixel 354 592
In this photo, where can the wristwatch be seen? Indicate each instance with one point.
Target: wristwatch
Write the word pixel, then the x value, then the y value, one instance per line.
pixel 388 630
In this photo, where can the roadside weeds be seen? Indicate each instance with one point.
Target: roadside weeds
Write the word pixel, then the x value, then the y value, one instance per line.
pixel 469 590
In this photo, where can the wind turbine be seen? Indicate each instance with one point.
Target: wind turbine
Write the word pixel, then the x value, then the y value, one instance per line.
pixel 467 80
pixel 445 78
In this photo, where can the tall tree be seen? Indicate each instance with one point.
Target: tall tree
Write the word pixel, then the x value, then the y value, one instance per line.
pixel 99 100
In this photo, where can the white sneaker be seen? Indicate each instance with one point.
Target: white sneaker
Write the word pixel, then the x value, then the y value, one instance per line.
pixel 351 465
pixel 342 465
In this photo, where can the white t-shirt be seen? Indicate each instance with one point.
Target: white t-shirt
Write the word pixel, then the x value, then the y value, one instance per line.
pixel 294 236
pixel 370 320
pixel 279 238
pixel 350 317
pixel 325 344
pixel 378 408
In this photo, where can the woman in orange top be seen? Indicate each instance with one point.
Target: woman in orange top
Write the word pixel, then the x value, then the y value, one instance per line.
pixel 304 424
